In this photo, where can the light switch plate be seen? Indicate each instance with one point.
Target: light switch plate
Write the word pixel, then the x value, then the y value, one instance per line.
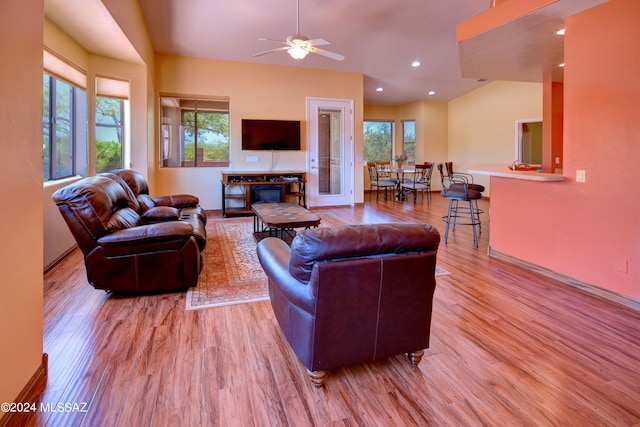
pixel 581 175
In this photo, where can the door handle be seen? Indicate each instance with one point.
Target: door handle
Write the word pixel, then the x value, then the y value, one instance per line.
pixel 314 167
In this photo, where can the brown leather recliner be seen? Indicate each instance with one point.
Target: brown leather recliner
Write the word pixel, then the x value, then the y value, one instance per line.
pixel 352 294
pixel 121 252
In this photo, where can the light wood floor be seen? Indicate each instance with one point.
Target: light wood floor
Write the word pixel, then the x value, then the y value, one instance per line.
pixel 508 348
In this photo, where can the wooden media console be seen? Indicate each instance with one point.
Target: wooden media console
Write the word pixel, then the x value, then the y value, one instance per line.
pixel 241 189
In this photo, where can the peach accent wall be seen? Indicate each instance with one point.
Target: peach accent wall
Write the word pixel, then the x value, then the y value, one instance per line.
pixel 21 293
pixel 589 231
pixel 482 124
pixel 256 91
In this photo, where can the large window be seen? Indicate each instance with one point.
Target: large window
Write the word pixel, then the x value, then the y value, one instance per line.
pixel 64 119
pixel 409 140
pixel 109 133
pixel 378 140
pixel 195 132
pixel 112 97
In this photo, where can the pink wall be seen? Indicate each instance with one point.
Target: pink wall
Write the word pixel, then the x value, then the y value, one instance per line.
pixel 589 231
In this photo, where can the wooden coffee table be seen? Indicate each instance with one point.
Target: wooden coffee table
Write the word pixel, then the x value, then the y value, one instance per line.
pixel 280 219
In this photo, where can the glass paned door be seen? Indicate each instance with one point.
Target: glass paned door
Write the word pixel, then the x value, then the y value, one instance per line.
pixel 330 152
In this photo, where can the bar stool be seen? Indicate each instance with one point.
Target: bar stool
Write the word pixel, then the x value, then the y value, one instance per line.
pixel 458 192
pixel 461 178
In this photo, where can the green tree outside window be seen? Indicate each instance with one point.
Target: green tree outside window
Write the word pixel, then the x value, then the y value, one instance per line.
pixel 109 133
pixel 378 140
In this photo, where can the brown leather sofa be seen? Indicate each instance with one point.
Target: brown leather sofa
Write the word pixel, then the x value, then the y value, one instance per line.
pixel 184 207
pixel 122 251
pixel 353 294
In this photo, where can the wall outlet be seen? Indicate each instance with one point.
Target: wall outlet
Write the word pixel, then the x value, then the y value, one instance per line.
pixel 581 175
pixel 253 159
pixel 622 266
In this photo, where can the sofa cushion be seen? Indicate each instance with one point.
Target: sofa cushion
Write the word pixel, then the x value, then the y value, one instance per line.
pixel 324 243
pixel 93 201
pixel 132 201
pixel 123 218
pixel 145 201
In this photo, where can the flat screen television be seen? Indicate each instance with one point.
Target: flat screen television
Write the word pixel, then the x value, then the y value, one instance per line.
pixel 270 134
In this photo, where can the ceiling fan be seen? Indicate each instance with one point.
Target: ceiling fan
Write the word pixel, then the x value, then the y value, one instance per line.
pixel 299 46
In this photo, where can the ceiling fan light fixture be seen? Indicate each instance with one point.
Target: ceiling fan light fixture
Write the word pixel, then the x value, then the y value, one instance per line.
pixel 297 52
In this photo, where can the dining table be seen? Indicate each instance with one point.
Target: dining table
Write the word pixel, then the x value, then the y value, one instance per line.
pixel 399 175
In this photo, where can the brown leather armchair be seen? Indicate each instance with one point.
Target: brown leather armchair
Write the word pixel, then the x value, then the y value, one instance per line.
pixel 121 252
pixel 353 294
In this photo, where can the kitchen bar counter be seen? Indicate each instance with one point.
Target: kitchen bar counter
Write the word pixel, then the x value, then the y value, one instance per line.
pixel 503 171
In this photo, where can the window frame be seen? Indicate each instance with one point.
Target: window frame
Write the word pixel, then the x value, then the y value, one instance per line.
pixel 121 128
pixel 391 139
pixel 171 154
pixel 78 113
pixel 408 151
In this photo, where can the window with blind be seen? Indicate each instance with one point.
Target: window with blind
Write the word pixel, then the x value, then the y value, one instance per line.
pixel 194 132
pixel 111 96
pixel 64 106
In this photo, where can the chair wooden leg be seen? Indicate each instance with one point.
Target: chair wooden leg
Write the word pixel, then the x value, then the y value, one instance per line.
pixel 317 377
pixel 415 357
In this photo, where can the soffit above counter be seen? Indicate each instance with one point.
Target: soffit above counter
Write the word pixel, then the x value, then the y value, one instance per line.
pixel 517 40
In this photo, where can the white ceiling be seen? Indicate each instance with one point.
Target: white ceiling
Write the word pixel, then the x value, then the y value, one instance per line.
pixel 379 38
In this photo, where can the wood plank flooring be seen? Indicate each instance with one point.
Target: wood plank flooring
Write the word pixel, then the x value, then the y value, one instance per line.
pixel 508 348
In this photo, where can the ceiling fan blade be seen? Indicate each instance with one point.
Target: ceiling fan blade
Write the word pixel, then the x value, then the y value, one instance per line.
pixel 318 42
pixel 271 50
pixel 328 54
pixel 273 40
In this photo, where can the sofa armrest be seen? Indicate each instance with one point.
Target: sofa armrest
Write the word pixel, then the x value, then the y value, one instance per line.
pixel 178 231
pixel 177 200
pixel 274 254
pixel 160 213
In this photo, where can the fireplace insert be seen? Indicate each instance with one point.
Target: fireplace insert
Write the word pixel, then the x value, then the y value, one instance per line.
pixel 266 194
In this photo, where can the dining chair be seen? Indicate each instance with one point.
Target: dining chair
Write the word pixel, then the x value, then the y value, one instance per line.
pixel 421 182
pixel 375 181
pixel 384 168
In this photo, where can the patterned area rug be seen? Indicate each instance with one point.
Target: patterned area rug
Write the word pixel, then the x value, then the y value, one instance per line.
pixel 231 273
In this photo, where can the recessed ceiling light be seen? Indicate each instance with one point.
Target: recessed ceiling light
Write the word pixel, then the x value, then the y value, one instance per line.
pixel 561 65
pixel 431 92
pixel 560 32
pixel 415 64
pixel 379 89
